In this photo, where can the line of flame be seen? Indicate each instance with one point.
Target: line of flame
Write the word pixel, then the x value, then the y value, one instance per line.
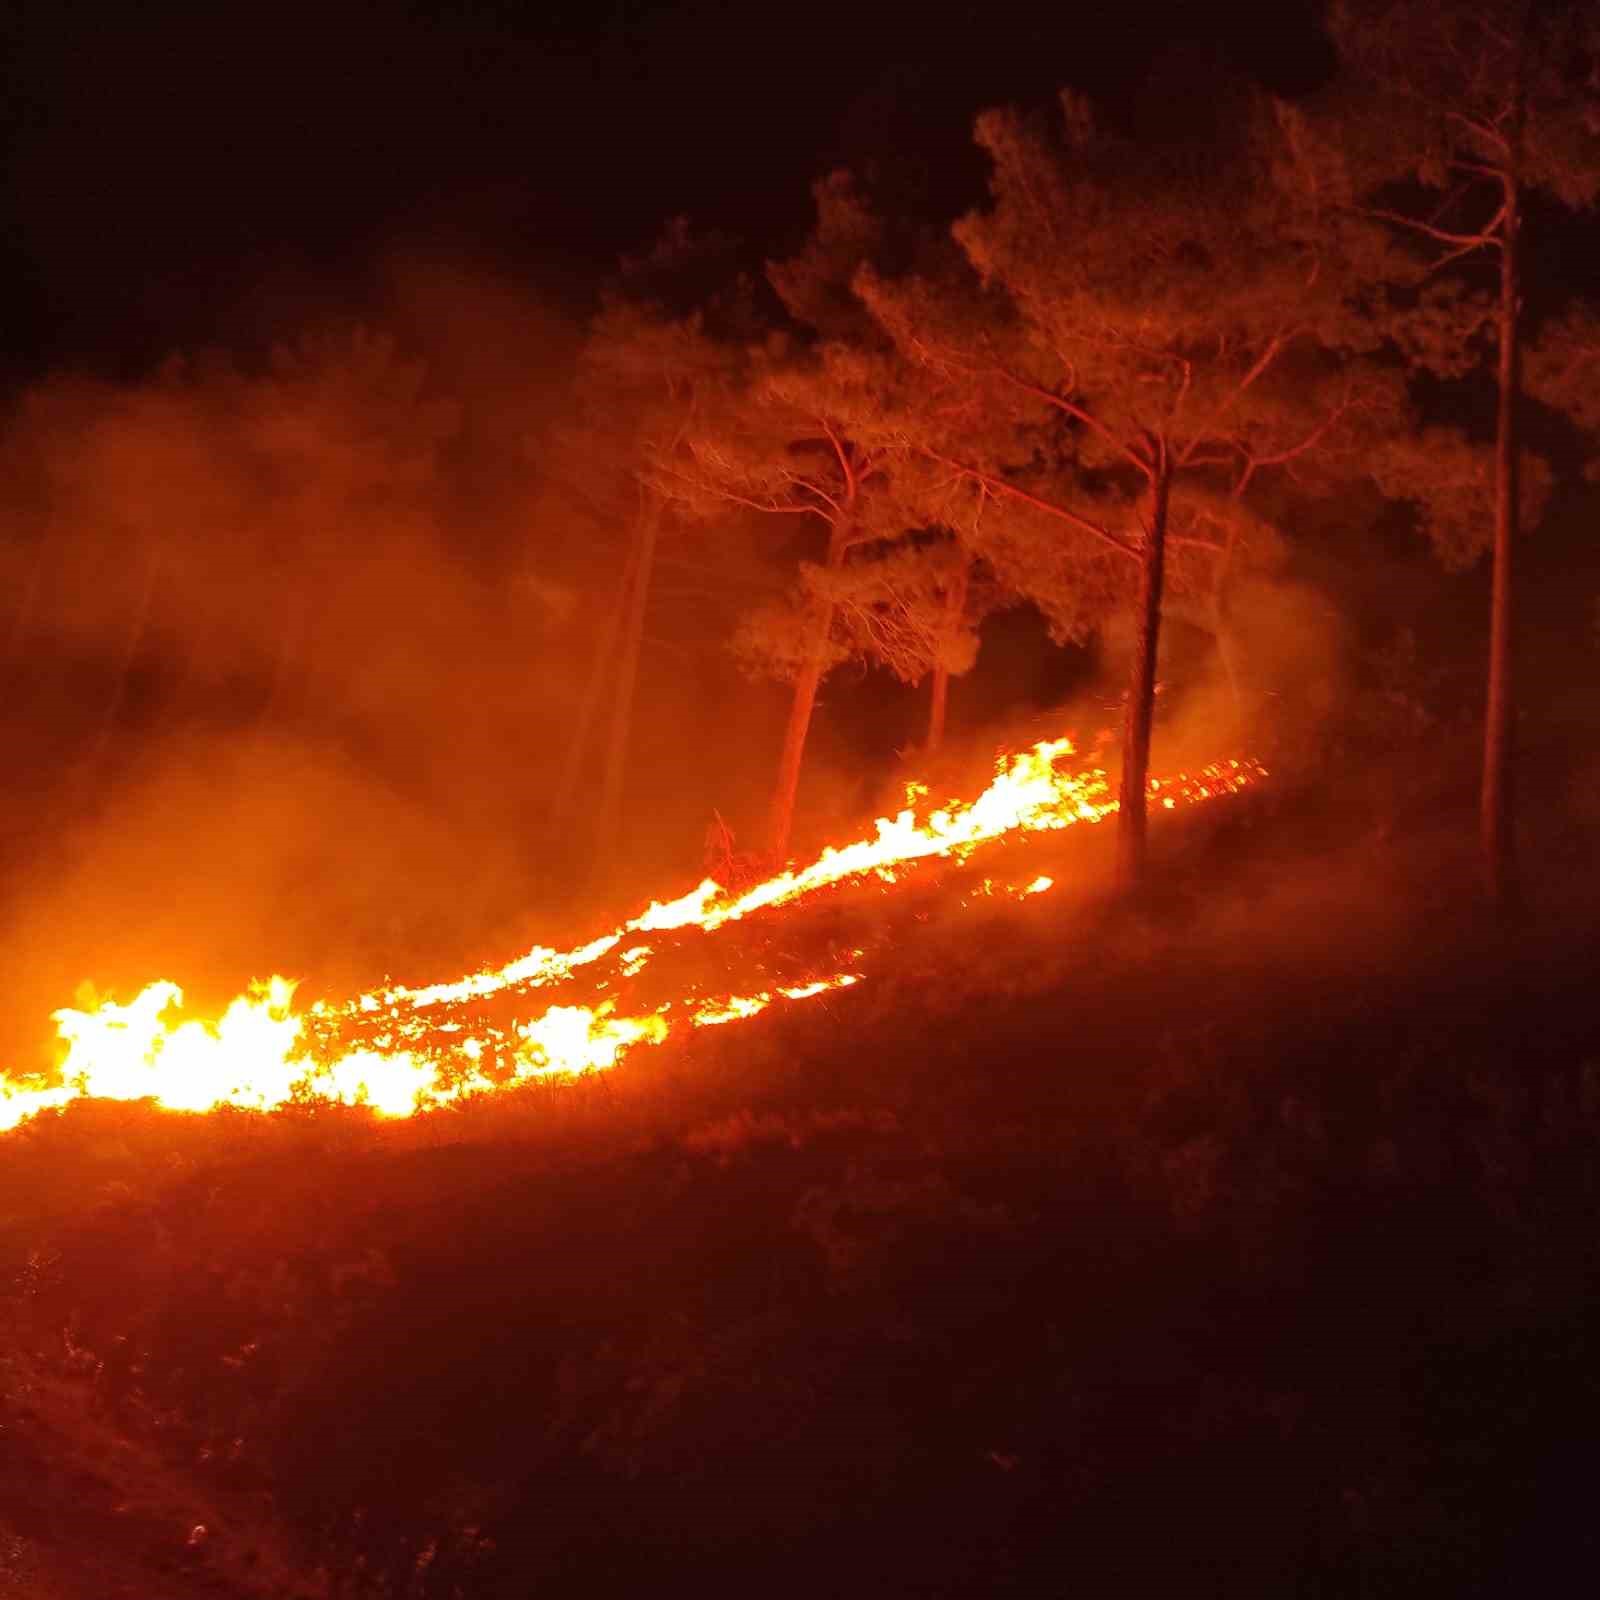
pixel 257 1054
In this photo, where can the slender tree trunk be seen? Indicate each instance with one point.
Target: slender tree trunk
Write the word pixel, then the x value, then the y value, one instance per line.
pixel 1497 814
pixel 1131 818
pixel 939 700
pixel 780 821
pixel 616 764
pixel 566 792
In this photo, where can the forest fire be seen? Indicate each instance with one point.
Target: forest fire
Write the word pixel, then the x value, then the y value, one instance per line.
pixel 402 1050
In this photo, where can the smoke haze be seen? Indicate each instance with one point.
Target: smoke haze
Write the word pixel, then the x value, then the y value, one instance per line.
pixel 296 642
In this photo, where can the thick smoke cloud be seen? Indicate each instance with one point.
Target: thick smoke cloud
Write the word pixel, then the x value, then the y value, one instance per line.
pixel 292 649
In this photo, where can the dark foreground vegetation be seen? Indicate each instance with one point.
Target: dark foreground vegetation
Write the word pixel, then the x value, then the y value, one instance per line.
pixel 1241 1244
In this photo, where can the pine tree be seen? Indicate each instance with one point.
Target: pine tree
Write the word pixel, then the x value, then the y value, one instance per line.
pixel 1448 121
pixel 1142 331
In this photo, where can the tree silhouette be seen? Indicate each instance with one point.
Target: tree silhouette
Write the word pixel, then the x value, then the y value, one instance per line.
pixel 1448 119
pixel 641 372
pixel 912 607
pixel 774 444
pixel 798 430
pixel 1137 322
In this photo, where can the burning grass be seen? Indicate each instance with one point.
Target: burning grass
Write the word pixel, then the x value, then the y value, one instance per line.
pixel 564 1012
pixel 940 1274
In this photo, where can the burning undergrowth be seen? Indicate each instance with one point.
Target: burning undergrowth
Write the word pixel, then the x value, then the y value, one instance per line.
pixel 666 972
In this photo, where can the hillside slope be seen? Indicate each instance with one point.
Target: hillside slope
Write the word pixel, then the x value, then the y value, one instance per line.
pixel 1242 1241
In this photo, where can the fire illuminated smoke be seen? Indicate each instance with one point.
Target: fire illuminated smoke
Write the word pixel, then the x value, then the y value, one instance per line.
pixel 401 1050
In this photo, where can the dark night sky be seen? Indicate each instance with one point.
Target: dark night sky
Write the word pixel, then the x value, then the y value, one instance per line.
pixel 179 174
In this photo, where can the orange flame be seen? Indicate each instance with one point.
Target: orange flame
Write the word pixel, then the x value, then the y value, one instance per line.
pixel 260 1053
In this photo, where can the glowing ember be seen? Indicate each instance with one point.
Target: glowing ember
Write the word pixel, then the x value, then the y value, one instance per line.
pixel 379 1050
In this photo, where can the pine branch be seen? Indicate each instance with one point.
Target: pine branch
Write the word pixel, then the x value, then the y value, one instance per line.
pixel 1089 420
pixel 1468 241
pixel 1011 491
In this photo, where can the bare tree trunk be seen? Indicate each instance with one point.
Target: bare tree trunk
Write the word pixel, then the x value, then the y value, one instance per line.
pixel 566 791
pixel 780 822
pixel 1497 815
pixel 644 551
pixel 1131 819
pixel 955 606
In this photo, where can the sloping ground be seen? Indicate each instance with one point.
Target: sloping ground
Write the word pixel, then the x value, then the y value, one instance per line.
pixel 1244 1244
pixel 88 1513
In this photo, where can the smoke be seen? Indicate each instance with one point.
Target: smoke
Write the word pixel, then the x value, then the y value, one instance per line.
pixel 1274 672
pixel 294 643
pixel 285 657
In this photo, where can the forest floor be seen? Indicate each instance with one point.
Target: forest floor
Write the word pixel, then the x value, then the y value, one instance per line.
pixel 1243 1240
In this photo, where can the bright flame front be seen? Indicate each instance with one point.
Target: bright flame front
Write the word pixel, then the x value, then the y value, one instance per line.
pixel 423 1047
